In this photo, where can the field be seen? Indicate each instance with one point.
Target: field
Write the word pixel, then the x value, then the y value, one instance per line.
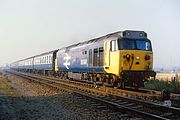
pixel 168 76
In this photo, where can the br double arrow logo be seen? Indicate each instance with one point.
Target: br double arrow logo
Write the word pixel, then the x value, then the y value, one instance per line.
pixel 67 62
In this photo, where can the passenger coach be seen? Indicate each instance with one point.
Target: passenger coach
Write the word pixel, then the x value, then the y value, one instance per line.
pixel 44 64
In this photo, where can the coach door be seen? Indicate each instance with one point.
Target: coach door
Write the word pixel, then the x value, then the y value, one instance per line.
pixel 106 55
pixel 112 57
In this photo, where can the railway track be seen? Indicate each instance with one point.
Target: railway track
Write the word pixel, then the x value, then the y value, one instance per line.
pixel 143 94
pixel 112 100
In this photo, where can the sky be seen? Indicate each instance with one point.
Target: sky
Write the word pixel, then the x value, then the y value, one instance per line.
pixel 31 27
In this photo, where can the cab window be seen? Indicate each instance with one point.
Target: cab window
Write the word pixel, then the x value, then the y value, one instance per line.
pixel 113 45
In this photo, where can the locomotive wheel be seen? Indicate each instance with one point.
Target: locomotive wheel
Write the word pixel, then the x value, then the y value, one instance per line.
pixel 121 84
pixel 95 85
pixel 114 81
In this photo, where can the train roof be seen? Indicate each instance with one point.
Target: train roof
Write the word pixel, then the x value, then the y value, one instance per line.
pixel 37 55
pixel 94 40
pixel 114 34
pixel 46 53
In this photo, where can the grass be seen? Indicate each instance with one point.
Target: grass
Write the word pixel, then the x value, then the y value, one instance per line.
pixel 4 86
pixel 172 86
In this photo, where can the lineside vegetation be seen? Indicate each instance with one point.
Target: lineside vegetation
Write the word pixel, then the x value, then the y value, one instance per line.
pixel 172 86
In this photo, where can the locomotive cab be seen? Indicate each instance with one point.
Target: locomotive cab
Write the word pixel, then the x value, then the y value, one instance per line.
pixel 129 58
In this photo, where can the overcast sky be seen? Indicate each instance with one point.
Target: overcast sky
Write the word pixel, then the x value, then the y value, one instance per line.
pixel 30 27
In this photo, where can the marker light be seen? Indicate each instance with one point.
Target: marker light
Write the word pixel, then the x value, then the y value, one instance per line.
pixel 147 57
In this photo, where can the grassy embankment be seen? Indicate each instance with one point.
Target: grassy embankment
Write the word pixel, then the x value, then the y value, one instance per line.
pixel 5 89
pixel 172 86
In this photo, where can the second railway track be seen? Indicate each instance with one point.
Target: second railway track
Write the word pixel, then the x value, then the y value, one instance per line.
pixel 111 99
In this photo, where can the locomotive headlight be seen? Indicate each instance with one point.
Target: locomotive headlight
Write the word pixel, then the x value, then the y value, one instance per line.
pixel 137 58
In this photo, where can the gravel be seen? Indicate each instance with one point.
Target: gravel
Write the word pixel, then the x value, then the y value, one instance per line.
pixel 34 101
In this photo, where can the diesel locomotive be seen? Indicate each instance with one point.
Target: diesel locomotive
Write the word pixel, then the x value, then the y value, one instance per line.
pixel 119 59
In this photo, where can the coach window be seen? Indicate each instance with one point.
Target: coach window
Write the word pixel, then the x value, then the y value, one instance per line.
pixel 90 57
pixel 49 59
pixel 95 57
pixel 46 59
pixel 113 45
pixel 101 56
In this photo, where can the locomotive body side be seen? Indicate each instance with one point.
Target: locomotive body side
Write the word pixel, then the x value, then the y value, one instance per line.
pixel 77 61
pixel 118 59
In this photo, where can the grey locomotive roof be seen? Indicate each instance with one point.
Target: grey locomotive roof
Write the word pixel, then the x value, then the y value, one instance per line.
pixel 94 40
pixel 115 34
